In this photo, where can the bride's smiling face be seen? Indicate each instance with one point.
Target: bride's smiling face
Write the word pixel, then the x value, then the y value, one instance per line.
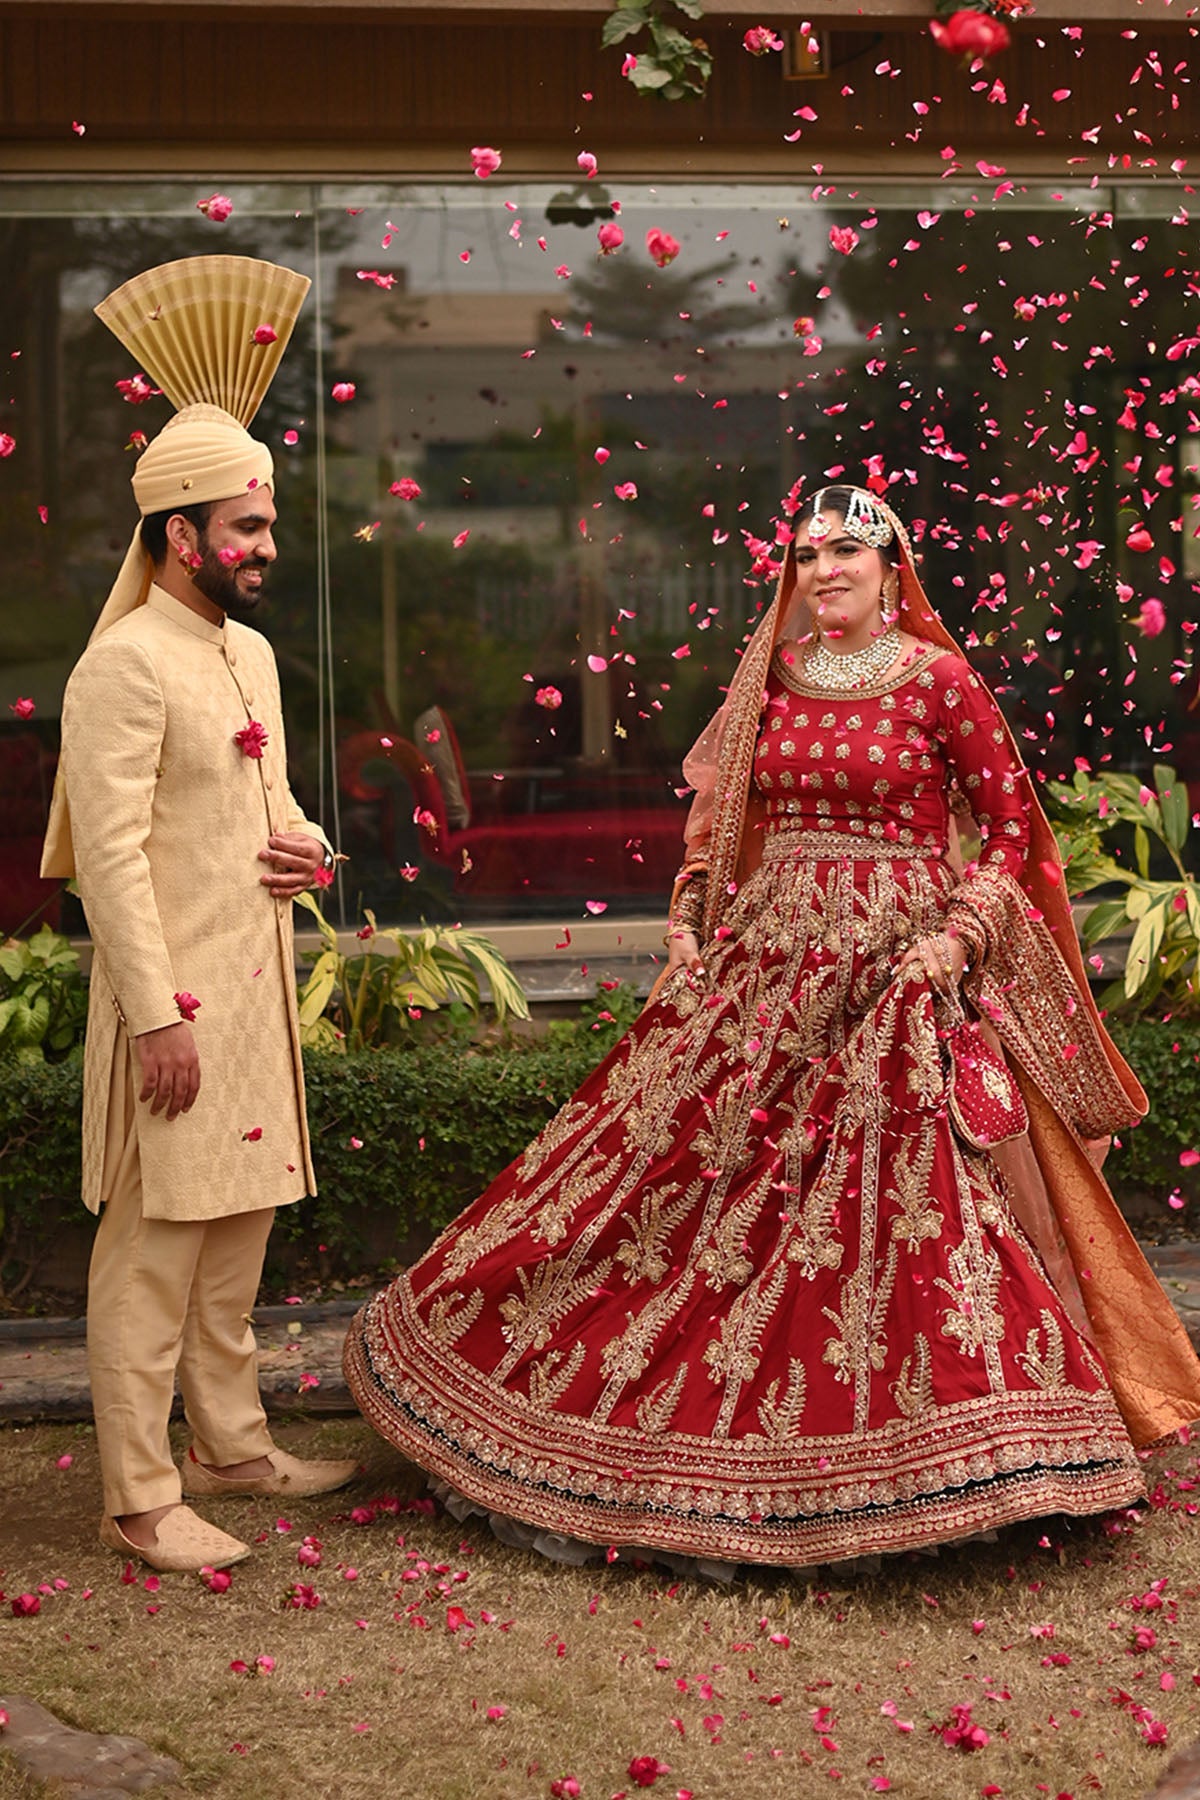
pixel 840 581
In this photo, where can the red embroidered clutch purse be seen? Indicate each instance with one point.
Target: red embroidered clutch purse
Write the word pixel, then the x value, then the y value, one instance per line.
pixel 984 1100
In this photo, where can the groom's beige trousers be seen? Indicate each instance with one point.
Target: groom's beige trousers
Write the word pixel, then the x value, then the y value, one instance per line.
pixel 170 1295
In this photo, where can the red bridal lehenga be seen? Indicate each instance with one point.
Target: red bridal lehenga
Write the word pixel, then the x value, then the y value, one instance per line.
pixel 747 1298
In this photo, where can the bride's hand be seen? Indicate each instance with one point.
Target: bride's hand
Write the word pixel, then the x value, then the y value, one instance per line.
pixel 932 955
pixel 684 952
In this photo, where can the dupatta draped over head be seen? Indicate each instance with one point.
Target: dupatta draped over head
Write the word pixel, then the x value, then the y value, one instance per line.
pixel 1031 989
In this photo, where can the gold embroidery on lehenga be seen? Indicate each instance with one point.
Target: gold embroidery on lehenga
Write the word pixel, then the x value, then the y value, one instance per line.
pixel 912 1389
pixel 973 1318
pixel 925 1079
pixel 444 1325
pixel 643 1253
pixel 724 1261
pixel 656 1409
pixel 531 1315
pixel 919 1217
pixel 550 1226
pixel 626 1357
pixel 1045 1369
pixel 550 1378
pixel 565 1122
pixel 860 1343
pixel 780 1418
pixel 734 1355
pixel 814 1244
pixel 723 1143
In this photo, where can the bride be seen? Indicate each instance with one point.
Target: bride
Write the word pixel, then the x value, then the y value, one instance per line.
pixel 801 1273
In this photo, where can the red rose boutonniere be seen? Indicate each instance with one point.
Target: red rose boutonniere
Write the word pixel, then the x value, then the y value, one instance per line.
pixel 251 739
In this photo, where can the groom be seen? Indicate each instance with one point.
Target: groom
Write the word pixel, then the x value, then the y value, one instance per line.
pixel 174 812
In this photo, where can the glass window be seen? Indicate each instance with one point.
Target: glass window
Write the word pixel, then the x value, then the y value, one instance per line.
pixel 517 565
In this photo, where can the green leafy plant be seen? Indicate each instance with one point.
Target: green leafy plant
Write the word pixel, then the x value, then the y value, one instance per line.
pixel 1162 962
pixel 43 997
pixel 675 66
pixel 376 997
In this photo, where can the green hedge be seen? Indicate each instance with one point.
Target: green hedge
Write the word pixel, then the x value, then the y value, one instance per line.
pixel 1166 1058
pixel 472 1108
pixel 435 1124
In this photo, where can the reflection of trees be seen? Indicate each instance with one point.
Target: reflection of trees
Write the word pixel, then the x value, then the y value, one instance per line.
pixel 631 301
pixel 1064 370
pixel 70 423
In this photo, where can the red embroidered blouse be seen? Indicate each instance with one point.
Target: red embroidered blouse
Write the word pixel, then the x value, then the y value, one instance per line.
pixel 879 763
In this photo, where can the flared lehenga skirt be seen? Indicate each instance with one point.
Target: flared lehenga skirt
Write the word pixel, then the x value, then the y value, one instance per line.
pixel 747 1297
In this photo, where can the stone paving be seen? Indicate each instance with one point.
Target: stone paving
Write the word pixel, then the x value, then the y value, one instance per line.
pixel 83 1765
pixel 43 1364
pixel 43 1367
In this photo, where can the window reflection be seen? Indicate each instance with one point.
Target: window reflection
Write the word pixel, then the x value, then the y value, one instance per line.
pixel 514 656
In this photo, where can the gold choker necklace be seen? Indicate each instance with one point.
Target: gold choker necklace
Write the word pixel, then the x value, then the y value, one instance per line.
pixel 842 673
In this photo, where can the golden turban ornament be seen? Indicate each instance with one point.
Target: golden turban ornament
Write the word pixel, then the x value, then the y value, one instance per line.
pixel 210 332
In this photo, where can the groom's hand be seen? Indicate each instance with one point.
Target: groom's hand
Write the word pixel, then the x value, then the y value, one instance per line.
pixel 170 1064
pixel 294 859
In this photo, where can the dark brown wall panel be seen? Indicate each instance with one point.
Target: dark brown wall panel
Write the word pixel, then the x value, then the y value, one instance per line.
pixel 267 80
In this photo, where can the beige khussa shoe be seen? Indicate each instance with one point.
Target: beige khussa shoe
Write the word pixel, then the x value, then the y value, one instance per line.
pixel 291 1478
pixel 184 1543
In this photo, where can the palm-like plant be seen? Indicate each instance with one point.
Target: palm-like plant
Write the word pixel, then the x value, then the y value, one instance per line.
pixel 374 998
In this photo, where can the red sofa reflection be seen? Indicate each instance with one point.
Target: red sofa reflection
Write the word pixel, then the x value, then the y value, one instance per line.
pixel 534 831
pixel 26 780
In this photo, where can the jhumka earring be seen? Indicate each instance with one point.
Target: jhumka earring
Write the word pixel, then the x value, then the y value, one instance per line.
pixel 890 591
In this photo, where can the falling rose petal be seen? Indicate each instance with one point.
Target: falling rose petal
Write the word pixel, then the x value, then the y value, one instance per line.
pixel 1139 539
pixel 1189 1158
pixel 610 237
pixel 587 162
pixel 265 334
pixel 596 906
pixel 406 488
pixel 1151 618
pixel 343 392
pixel 22 708
pixel 760 40
pixel 253 1135
pixel 291 438
pixel 496 1712
pixel 461 539
pixel 600 454
pixel 597 664
pixel 661 246
pixel 485 161
pixel 217 208
pixel 188 1005
pixel 8 443
pixel 626 490
pixel 64 1461
pixel 843 239
pixel 548 697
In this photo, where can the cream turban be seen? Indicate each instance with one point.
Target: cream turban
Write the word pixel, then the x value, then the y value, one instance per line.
pixel 210 332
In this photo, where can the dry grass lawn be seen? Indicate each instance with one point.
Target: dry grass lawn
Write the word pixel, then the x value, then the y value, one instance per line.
pixel 771 1691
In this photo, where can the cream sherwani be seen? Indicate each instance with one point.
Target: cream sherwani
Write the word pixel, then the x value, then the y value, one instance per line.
pixel 167 818
pixel 168 814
